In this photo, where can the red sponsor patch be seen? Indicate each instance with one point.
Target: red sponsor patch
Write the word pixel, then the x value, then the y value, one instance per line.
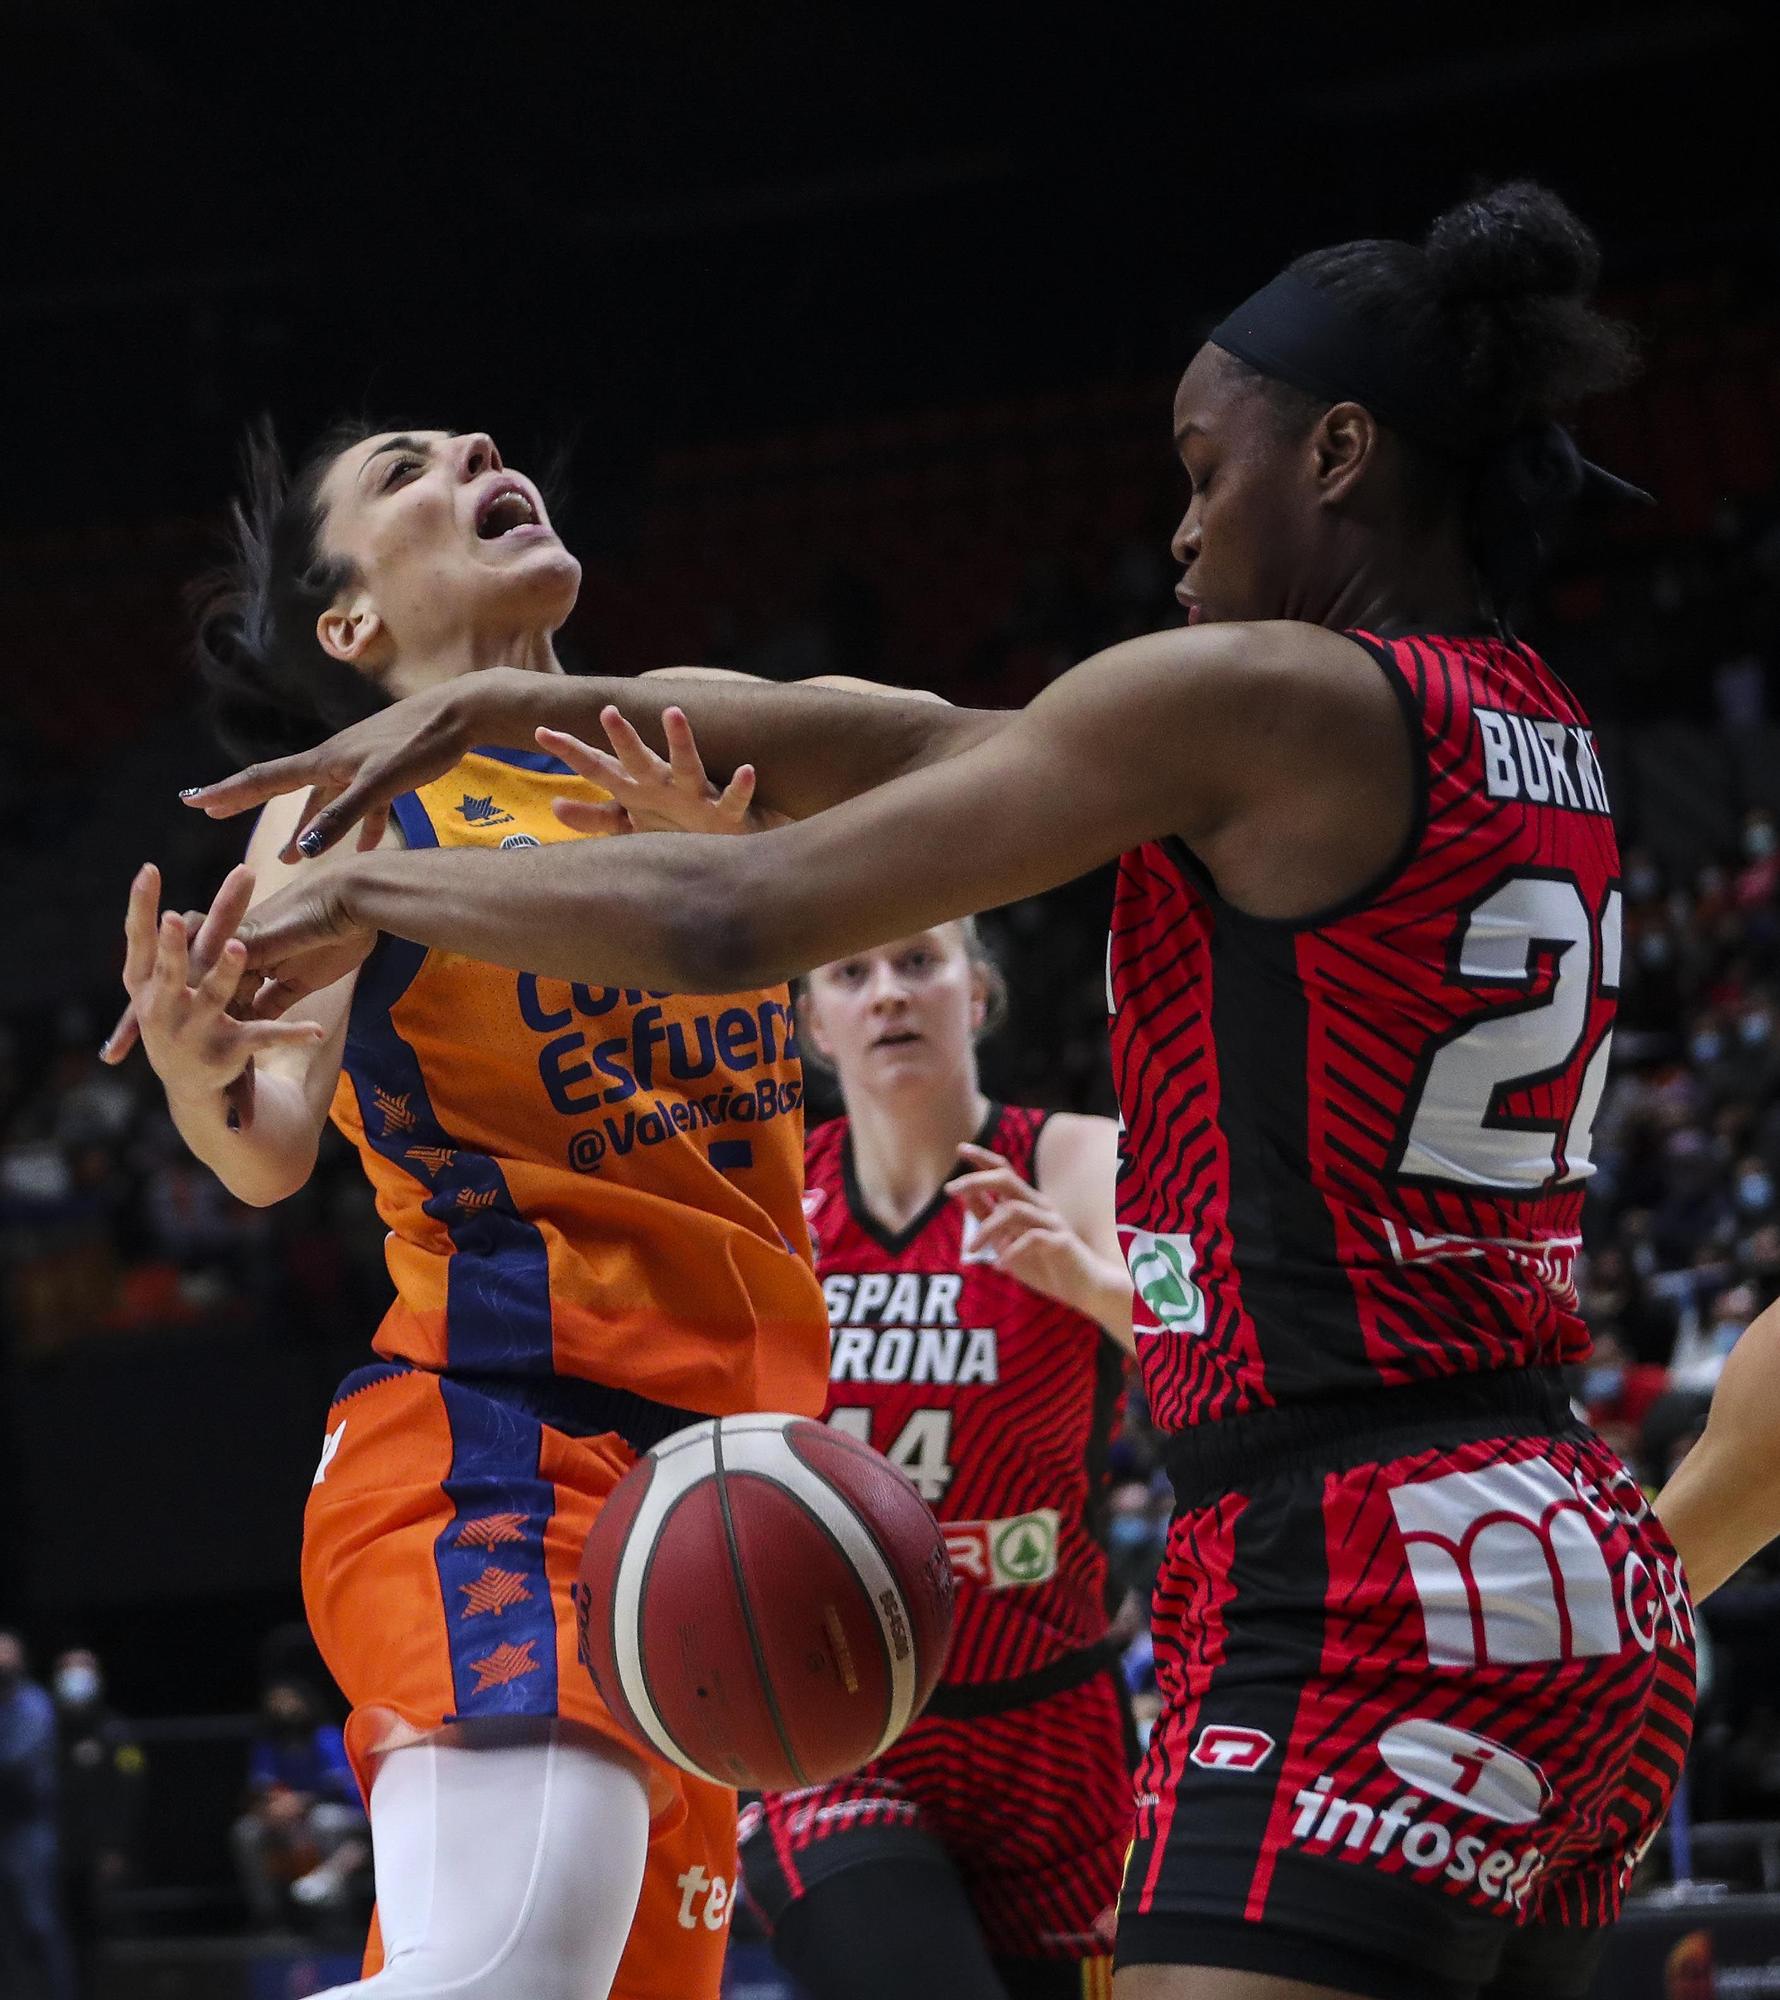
pixel 1227 1746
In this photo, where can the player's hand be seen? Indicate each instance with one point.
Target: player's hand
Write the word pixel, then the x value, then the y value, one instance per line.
pixel 193 1039
pixel 303 939
pixel 208 931
pixel 354 776
pixel 651 794
pixel 1021 1231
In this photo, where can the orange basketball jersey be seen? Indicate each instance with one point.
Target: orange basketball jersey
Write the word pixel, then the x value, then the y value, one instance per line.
pixel 592 1184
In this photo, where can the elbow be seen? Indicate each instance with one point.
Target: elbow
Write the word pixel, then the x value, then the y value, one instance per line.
pixel 271 1182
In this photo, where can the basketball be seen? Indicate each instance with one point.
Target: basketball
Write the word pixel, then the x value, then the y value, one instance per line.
pixel 765 1601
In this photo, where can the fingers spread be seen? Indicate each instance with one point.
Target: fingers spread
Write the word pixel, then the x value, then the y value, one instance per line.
pixel 219 982
pixel 139 926
pixel 314 831
pixel 122 1039
pixel 215 929
pixel 684 761
pixel 252 787
pixel 172 957
pixel 264 1034
pixel 999 1180
pixel 738 794
pixel 1009 1254
pixel 1009 1220
pixel 591 816
pixel 633 753
pixel 586 762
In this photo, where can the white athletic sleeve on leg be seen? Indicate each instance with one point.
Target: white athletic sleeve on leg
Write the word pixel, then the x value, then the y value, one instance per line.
pixel 503 1871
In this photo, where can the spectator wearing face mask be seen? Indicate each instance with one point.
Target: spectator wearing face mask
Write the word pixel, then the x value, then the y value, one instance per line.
pixel 102 1775
pixel 302 1840
pixel 35 1961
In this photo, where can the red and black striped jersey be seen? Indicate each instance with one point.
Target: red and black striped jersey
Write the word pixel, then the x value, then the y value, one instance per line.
pixel 1354 1148
pixel 996 1401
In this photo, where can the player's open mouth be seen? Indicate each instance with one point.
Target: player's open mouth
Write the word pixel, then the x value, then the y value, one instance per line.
pixel 900 1040
pixel 504 511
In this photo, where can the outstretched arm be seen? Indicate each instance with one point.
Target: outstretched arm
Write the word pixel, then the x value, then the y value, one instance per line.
pixel 811 745
pixel 1723 1504
pixel 1227 735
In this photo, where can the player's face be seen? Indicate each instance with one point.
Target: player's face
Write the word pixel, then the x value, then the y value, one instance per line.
pixel 1243 539
pixel 906 1013
pixel 443 540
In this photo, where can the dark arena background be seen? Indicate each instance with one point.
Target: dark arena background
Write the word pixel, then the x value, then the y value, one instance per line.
pixel 853 332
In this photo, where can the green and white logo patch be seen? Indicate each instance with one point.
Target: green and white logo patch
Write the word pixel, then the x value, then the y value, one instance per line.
pixel 1162 1276
pixel 1024 1550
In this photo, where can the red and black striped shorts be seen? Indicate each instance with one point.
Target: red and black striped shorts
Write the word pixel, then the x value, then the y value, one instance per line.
pixel 1424 1707
pixel 1032 1805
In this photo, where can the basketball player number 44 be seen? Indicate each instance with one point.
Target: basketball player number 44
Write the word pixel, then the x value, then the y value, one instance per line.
pixel 922 1451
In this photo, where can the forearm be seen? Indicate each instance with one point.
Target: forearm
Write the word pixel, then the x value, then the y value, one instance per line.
pixel 1719 1512
pixel 606 913
pixel 262 1159
pixel 1723 1504
pixel 812 746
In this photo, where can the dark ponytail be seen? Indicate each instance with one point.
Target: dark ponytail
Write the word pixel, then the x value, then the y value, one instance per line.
pixel 1497 301
pixel 272 687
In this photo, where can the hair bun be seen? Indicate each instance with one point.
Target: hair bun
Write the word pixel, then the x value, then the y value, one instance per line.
pixel 1517 241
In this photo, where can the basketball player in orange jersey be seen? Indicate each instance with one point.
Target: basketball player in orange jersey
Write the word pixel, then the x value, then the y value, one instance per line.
pixel 593 1203
pixel 976 1294
pixel 1426 1654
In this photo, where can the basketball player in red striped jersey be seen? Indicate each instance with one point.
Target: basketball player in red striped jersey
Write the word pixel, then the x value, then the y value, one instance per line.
pixel 1426 1654
pixel 976 1294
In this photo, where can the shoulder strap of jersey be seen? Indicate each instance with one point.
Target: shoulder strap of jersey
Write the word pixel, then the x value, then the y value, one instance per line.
pixel 1015 1130
pixel 414 820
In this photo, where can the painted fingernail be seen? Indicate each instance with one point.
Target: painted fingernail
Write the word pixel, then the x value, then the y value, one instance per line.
pixel 234 1119
pixel 191 791
pixel 310 844
pixel 105 1048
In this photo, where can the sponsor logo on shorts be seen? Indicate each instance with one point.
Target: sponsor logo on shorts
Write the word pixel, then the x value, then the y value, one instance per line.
pixel 1465 1770
pixel 1430 1852
pixel 1509 1567
pixel 1227 1746
pixel 1162 1277
pixel 704 1899
pixel 1004 1555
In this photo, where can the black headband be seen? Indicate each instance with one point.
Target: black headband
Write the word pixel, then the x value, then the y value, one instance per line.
pixel 1296 332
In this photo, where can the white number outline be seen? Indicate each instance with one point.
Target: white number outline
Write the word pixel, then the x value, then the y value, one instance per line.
pixel 1599 936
